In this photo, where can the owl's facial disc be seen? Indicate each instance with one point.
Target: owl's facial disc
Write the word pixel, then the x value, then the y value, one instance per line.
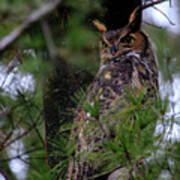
pixel 117 43
pixel 122 41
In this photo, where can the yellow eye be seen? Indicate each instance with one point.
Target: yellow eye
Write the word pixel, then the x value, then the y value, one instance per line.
pixel 128 39
pixel 132 40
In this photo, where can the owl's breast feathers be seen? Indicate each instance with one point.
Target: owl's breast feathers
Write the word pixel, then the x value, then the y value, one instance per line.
pixel 125 73
pixel 129 72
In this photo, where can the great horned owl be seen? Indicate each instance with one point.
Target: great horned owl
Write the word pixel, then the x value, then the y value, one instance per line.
pixel 127 62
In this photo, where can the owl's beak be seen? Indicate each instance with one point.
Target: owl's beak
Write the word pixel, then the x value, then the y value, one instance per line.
pixel 113 49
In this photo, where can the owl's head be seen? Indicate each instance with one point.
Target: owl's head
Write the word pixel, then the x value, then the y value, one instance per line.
pixel 119 42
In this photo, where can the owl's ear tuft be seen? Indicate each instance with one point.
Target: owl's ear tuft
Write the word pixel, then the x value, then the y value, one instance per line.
pixel 135 19
pixel 101 27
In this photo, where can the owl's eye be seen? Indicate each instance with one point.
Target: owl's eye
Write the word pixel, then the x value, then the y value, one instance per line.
pixel 128 39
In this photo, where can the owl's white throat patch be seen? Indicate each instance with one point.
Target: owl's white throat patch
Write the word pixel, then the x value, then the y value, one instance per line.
pixel 118 59
pixel 132 53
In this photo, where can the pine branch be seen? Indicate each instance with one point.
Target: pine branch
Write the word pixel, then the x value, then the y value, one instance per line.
pixel 22 154
pixel 6 143
pixel 35 16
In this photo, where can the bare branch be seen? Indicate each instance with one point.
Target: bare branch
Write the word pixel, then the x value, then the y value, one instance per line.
pixel 165 15
pixel 147 5
pixel 152 3
pixel 35 16
pixel 153 25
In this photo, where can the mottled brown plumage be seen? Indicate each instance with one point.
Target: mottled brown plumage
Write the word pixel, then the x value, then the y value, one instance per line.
pixel 127 62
